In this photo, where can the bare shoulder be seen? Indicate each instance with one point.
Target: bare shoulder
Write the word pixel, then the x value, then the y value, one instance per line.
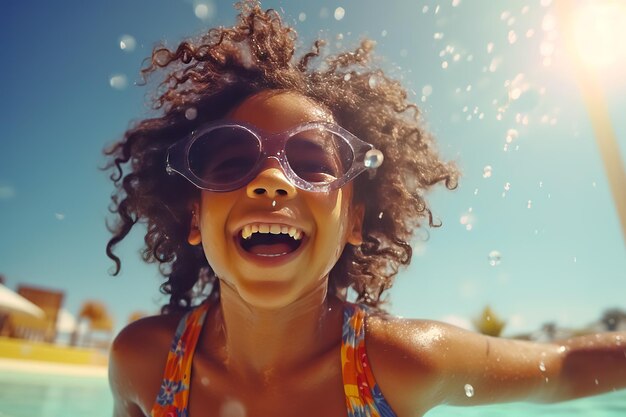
pixel 137 360
pixel 407 358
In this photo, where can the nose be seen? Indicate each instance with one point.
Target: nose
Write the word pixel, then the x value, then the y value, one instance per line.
pixel 271 183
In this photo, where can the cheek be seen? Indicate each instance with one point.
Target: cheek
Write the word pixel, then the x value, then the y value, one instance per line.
pixel 214 209
pixel 332 222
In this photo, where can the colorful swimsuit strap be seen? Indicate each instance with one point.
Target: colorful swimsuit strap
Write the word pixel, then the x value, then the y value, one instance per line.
pixel 174 392
pixel 363 395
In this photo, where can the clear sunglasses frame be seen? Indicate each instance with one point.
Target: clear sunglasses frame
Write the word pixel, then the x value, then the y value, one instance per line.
pixel 365 156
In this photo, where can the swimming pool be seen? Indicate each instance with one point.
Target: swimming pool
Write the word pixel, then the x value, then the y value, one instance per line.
pixel 48 395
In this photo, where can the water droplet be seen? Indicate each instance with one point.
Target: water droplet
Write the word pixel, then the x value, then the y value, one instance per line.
pixel 548 23
pixel 437 9
pixel 487 171
pixel 380 215
pixel 507 186
pixel 273 203
pixel 204 10
pixel 562 349
pixel 127 43
pixel 490 47
pixel 469 390
pixel 383 33
pixel 373 82
pixel 494 258
pixel 575 260
pixel 347 77
pixel 340 12
pixel 438 35
pixel 511 135
pixel 425 9
pixel 302 16
pixel 118 81
pixel 191 113
pixel 476 191
pixel 59 216
pixel 494 64
pixel 530 204
pixel 232 408
pixel 373 158
pixel 444 64
pixel 204 381
pixel 455 3
pixel 596 382
pixel 542 366
pixel 427 90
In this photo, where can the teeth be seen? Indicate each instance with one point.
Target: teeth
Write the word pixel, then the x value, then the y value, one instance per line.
pixel 274 229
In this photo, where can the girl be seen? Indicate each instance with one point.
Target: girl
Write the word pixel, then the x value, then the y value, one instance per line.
pixel 269 187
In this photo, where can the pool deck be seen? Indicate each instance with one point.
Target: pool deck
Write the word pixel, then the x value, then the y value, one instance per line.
pixel 39 357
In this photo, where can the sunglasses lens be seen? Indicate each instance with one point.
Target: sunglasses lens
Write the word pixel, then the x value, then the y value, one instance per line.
pixel 224 155
pixel 319 156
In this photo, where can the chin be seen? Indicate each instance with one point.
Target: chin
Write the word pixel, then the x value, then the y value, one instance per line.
pixel 269 295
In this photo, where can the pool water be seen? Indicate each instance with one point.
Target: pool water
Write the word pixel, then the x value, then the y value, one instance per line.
pixel 33 395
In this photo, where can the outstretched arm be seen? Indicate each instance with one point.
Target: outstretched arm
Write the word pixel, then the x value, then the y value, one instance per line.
pixel 422 364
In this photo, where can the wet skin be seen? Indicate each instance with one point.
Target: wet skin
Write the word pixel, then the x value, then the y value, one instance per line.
pixel 272 343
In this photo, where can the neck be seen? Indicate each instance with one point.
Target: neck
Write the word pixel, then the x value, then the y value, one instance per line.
pixel 264 344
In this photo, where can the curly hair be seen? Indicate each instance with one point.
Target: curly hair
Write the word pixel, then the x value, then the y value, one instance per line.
pixel 211 74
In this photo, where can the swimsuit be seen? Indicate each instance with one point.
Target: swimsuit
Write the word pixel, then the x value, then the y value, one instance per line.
pixel 363 396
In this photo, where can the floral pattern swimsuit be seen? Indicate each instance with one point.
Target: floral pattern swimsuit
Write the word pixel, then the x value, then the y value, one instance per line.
pixel 363 396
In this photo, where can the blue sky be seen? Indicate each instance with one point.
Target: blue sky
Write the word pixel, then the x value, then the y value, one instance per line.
pixel 486 74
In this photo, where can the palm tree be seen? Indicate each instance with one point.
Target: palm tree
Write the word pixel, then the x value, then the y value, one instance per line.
pixel 488 323
pixel 98 319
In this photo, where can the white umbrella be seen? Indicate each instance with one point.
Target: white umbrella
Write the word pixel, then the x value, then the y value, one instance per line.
pixel 12 302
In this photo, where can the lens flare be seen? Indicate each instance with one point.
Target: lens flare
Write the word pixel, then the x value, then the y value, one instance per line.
pixel 599 33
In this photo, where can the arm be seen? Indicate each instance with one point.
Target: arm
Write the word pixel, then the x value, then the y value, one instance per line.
pixel 136 363
pixel 421 364
pixel 124 399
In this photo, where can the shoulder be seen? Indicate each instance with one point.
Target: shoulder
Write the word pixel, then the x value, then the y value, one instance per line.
pixel 408 358
pixel 137 359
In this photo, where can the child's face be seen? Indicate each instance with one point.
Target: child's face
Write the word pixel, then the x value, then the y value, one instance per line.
pixel 269 274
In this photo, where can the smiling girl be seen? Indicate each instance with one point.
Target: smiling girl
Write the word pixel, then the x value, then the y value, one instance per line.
pixel 269 186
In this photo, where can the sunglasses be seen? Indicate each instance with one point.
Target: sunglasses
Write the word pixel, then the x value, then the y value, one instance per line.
pixel 315 156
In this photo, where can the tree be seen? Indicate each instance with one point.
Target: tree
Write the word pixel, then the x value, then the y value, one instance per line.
pixel 488 323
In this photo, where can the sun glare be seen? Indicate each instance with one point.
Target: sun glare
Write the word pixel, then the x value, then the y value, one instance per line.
pixel 600 33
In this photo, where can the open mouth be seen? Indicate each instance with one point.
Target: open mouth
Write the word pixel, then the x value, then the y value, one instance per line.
pixel 270 240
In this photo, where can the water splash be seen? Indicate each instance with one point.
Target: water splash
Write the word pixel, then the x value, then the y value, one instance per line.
pixel 191 113
pixel 127 43
pixel 494 258
pixel 340 12
pixel 118 81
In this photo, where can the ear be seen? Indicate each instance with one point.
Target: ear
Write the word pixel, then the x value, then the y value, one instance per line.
pixel 355 231
pixel 195 237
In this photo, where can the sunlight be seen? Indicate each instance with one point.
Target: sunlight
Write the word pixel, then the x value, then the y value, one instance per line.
pixel 599 30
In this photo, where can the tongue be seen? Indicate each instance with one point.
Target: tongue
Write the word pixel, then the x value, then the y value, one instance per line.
pixel 270 249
